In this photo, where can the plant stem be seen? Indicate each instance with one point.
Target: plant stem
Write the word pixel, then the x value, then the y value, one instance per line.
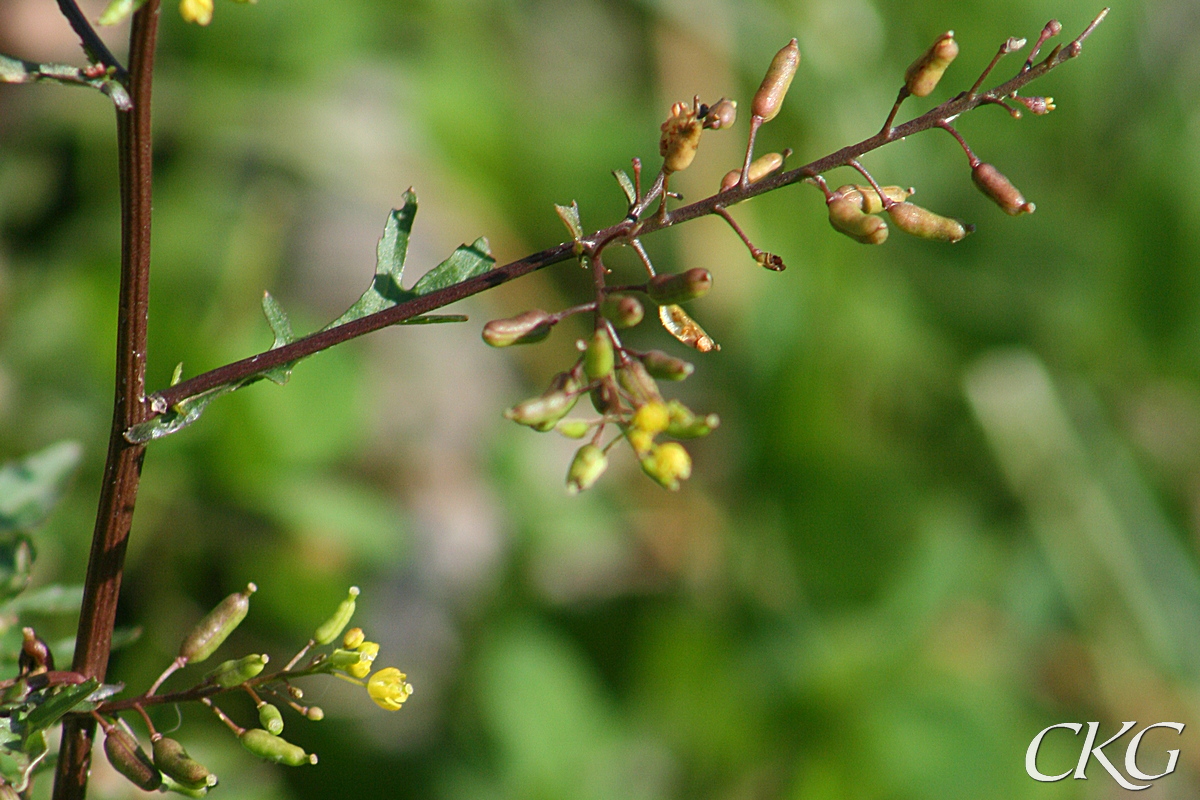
pixel 93 46
pixel 122 469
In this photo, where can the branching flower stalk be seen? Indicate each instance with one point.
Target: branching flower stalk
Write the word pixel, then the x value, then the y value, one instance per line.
pixel 621 382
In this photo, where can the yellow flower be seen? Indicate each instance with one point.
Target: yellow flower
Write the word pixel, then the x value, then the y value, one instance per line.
pixel 368 651
pixel 388 688
pixel 197 11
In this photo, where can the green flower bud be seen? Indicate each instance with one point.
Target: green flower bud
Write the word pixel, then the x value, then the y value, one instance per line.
pixel 573 428
pixel 622 310
pixel 635 379
pixel 598 358
pixel 668 464
pixel 669 288
pixel 666 367
pixel 680 138
pixel 923 223
pixel 173 760
pixel 211 631
pixel 270 747
pixel 993 183
pixel 868 199
pixel 270 718
pixel 333 627
pixel 922 75
pixel 237 671
pixel 586 468
pixel 760 168
pixel 721 114
pixel 129 759
pixel 769 97
pixel 532 326
pixel 685 424
pixel 846 217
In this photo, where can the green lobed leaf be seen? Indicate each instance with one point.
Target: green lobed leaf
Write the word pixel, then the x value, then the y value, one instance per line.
pixel 386 290
pixel 466 262
pixel 30 487
pixel 570 217
pixel 626 186
pixel 52 599
pixel 181 415
pixel 281 326
pixel 62 702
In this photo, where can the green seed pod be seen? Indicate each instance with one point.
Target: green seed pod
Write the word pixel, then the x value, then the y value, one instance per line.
pixel 925 224
pixel 769 97
pixel 635 379
pixel 586 468
pixel 680 138
pixel 721 114
pixel 129 759
pixel 526 328
pixel 685 424
pixel 846 217
pixel 922 75
pixel 541 413
pixel 237 671
pixel 759 169
pixel 211 631
pixel 993 183
pixel 868 199
pixel 666 367
pixel 573 428
pixel 671 288
pixel 171 785
pixel 622 310
pixel 270 747
pixel 345 658
pixel 333 627
pixel 270 718
pixel 173 760
pixel 598 358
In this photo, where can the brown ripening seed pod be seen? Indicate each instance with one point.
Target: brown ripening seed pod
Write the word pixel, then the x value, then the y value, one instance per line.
pixel 846 217
pixel 993 183
pixel 525 328
pixel 769 97
pixel 759 169
pixel 129 759
pixel 924 224
pixel 721 114
pixel 868 199
pixel 680 138
pixel 668 288
pixel 922 75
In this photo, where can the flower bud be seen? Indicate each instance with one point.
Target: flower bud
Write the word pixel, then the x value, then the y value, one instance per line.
pixel 680 138
pixel 526 328
pixel 652 418
pixel 573 428
pixel 769 97
pixel 635 379
pixel 868 199
pixel 670 288
pixel 315 713
pixel 922 75
pixel 993 183
pixel 211 631
pixel 666 367
pixel 846 217
pixel 622 310
pixel 332 627
pixel 668 464
pixel 641 441
pixel 173 760
pixel 598 357
pixel 129 759
pixel 685 424
pixel 270 747
pixel 237 671
pixel 721 114
pixel 198 12
pixel 586 468
pixel 760 168
pixel 923 223
pixel 270 718
pixel 353 638
pixel 1037 105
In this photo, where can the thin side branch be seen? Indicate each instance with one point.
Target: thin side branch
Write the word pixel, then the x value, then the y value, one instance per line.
pixel 93 45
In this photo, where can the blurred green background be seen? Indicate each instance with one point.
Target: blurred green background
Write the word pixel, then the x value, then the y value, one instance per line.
pixel 955 497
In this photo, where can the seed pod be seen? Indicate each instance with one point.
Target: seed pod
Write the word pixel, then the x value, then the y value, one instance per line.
pixel 586 468
pixel 923 223
pixel 525 328
pixel 270 747
pixel 769 97
pixel 868 199
pixel 573 428
pixel 540 413
pixel 237 671
pixel 685 329
pixel 333 627
pixel 760 168
pixel 270 717
pixel 993 183
pixel 846 217
pixel 129 759
pixel 174 761
pixel 721 114
pixel 605 398
pixel 315 713
pixel 635 379
pixel 211 631
pixel 685 424
pixel 922 75
pixel 670 288
pixel 598 358
pixel 346 658
pixel 680 138
pixel 666 367
pixel 668 464
pixel 622 310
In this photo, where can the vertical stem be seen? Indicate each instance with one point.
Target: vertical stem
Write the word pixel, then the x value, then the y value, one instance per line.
pixel 122 469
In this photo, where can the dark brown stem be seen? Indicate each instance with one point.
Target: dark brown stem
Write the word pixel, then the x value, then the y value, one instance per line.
pixel 93 45
pixel 122 469
pixel 971 157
